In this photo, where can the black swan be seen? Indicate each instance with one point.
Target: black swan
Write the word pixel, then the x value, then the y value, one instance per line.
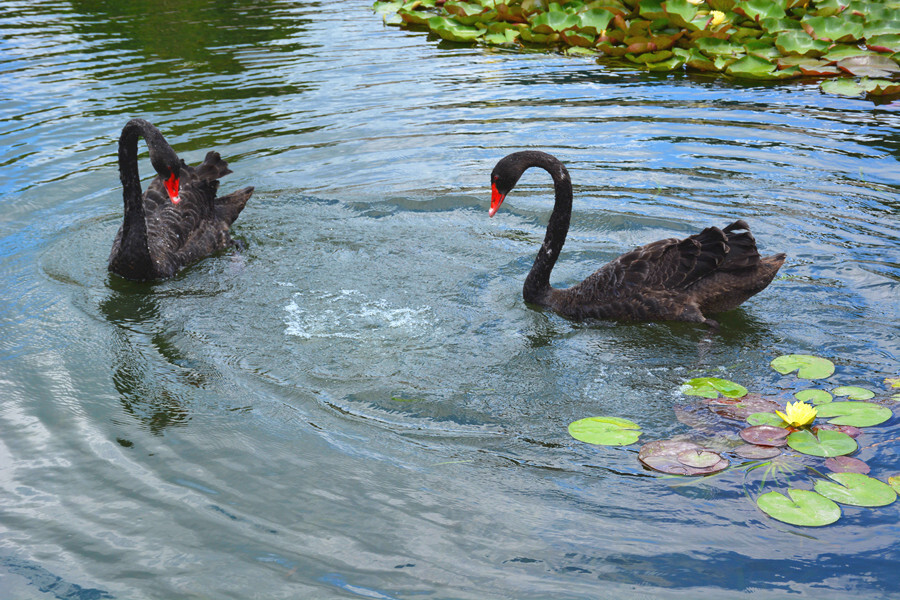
pixel 178 220
pixel 669 280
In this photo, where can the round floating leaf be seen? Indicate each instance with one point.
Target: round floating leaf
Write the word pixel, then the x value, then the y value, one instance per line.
pixel 711 387
pixel 853 392
pixel 870 65
pixel 699 459
pixel 857 414
pixel 884 43
pixel 800 43
pixel 827 443
pixel 894 482
pixel 765 435
pixel 805 508
pixel 893 382
pixel 605 431
pixel 843 87
pixel 832 30
pixel 846 464
pixel 856 489
pixel 752 67
pixel 593 21
pixel 678 458
pixel 807 367
pixel 453 31
pixel 766 418
pixel 755 452
pixel 815 397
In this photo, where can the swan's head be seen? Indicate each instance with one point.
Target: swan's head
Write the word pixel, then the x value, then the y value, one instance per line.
pixel 503 179
pixel 168 166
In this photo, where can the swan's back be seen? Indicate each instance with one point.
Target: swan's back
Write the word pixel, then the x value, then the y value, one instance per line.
pixel 681 280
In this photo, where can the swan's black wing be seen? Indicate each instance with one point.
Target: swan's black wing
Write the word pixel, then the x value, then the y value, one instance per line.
pixel 179 234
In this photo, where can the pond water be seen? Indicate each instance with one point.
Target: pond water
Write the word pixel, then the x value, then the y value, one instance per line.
pixel 358 404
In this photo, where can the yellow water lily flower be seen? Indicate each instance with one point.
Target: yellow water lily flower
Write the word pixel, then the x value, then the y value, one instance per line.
pixel 717 17
pixel 798 414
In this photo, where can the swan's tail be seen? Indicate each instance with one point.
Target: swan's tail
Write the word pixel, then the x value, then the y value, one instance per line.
pixel 230 206
pixel 213 167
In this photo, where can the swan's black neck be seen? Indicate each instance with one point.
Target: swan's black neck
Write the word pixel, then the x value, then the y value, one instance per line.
pixel 537 284
pixel 134 252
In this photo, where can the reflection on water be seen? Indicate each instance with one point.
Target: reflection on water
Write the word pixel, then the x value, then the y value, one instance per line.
pixel 358 403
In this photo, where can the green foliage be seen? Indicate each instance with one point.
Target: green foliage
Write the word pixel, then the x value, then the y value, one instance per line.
pixel 711 387
pixel 804 507
pixel 807 367
pixel 855 414
pixel 856 489
pixel 826 443
pixel 748 39
pixel 605 431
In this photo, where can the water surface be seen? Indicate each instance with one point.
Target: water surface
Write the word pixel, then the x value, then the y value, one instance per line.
pixel 358 403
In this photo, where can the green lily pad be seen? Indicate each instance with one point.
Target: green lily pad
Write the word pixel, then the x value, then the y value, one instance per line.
pixel 853 392
pixel 716 47
pixel 766 418
pixel 752 67
pixel 827 443
pixel 765 435
pixel 880 87
pixel 800 43
pixel 453 31
pixel 681 13
pixel 856 489
pixel 501 38
pixel 832 30
pixel 593 21
pixel 815 397
pixel 553 21
pixel 679 457
pixel 894 482
pixel 758 10
pixel 807 367
pixel 805 508
pixel 605 431
pixel 711 387
pixel 884 43
pixel 847 464
pixel 843 87
pixel 857 414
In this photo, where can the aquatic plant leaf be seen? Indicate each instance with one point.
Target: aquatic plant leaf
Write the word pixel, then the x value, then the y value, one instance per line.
pixel 649 57
pixel 813 396
pixel 594 20
pixel 711 387
pixel 761 9
pixel 857 414
pixel 755 452
pixel 500 38
pixel 765 435
pixel 804 507
pixel 695 59
pixel 553 21
pixel 651 10
pixel 826 443
pixel 752 67
pixel 454 31
pixel 766 418
pixel 577 38
pixel 853 392
pixel 716 47
pixel 663 456
pixel 894 482
pixel 800 43
pixel 893 382
pixel 605 431
pixel 871 65
pixel 884 43
pixel 843 87
pixel 856 489
pixel 772 25
pixel 669 64
pixel 681 13
pixel 880 87
pixel 832 30
pixel 807 367
pixel 827 8
pixel 846 464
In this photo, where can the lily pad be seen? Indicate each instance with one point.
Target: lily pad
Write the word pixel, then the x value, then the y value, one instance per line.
pixel 871 65
pixel 884 43
pixel 679 457
pixel 857 414
pixel 807 367
pixel 894 482
pixel 605 431
pixel 843 87
pixel 804 507
pixel 853 392
pixel 826 443
pixel 893 382
pixel 856 489
pixel 766 418
pixel 847 464
pixel 765 435
pixel 815 397
pixel 752 67
pixel 754 452
pixel 832 30
pixel 711 387
pixel 800 43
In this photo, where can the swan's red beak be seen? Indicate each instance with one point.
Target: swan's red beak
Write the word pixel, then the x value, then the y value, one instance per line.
pixel 172 188
pixel 496 200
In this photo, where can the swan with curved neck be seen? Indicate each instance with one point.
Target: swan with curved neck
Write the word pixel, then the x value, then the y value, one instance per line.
pixel 179 219
pixel 669 280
